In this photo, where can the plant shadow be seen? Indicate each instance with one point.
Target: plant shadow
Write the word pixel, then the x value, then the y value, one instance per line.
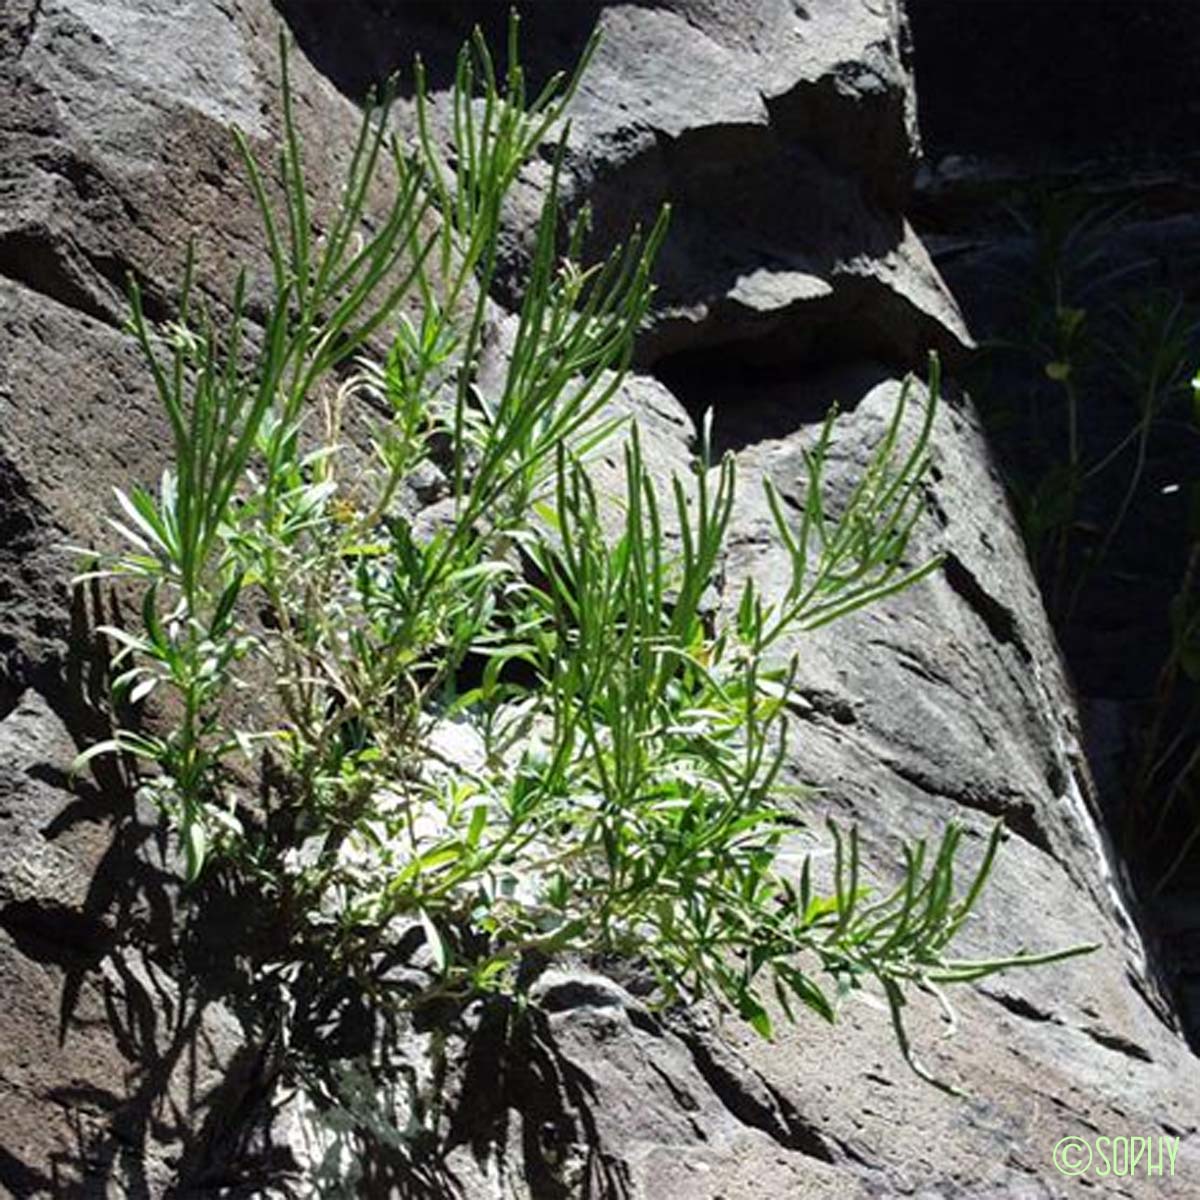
pixel 176 994
pixel 144 1052
pixel 502 1100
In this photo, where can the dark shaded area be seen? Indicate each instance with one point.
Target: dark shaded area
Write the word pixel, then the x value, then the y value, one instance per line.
pixel 19 1179
pixel 372 39
pixel 1033 78
pixel 52 933
pixel 1061 203
pixel 756 394
pixel 514 1066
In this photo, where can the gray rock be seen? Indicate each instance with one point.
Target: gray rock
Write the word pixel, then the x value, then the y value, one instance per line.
pixel 786 194
pixel 783 134
pixel 950 699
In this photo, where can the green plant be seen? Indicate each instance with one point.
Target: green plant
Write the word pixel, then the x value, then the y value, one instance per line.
pixel 1168 763
pixel 1082 340
pixel 1062 335
pixel 516 731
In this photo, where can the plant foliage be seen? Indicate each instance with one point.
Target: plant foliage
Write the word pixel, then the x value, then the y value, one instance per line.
pixel 517 729
pixel 1095 334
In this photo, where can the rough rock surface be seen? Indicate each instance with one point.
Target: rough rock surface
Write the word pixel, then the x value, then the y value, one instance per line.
pixel 783 133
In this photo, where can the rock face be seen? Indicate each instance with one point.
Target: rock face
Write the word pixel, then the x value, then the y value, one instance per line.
pixel 784 135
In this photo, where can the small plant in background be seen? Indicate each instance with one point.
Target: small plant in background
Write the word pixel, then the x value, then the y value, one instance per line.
pixel 1062 337
pixel 1067 269
pixel 1166 785
pixel 1090 325
pixel 508 727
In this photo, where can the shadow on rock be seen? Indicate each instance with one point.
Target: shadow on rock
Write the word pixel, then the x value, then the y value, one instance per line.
pixel 439 1104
